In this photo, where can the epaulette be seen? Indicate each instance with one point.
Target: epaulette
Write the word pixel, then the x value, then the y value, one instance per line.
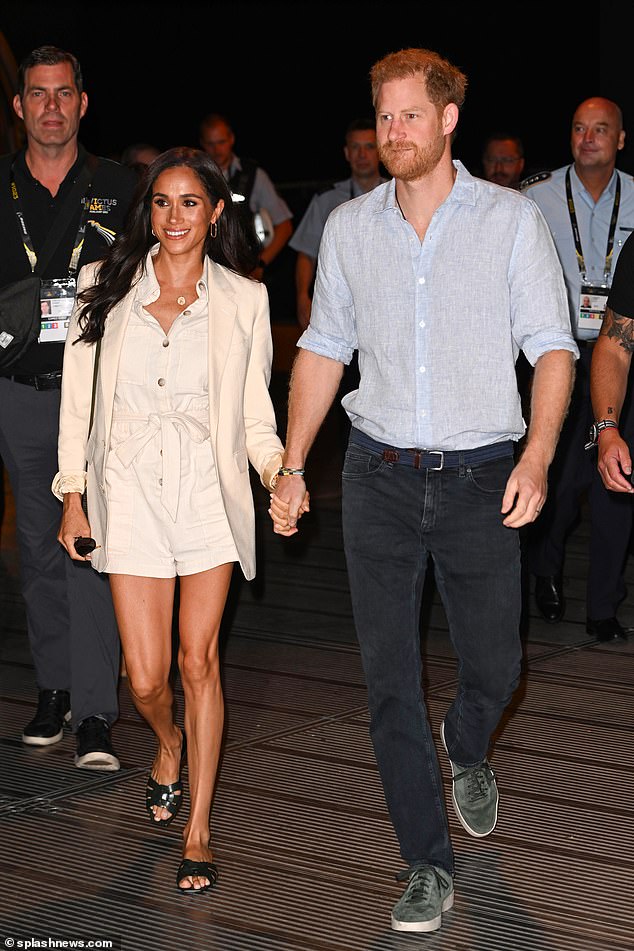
pixel 534 179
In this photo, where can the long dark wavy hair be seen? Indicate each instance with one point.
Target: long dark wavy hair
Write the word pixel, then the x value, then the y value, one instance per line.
pixel 117 271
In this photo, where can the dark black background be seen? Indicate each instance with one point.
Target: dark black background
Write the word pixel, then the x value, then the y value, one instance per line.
pixel 290 75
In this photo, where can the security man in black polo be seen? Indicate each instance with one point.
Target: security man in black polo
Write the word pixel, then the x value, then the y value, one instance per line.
pixel 72 631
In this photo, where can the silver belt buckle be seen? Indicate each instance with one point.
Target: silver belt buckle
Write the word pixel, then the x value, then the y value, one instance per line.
pixel 437 452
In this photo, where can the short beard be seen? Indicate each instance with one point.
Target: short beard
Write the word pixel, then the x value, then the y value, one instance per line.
pixel 415 163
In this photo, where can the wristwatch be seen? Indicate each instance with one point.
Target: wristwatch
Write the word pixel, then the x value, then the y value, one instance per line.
pixel 598 428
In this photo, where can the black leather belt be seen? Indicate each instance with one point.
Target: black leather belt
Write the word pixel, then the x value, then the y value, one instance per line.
pixel 433 458
pixel 41 381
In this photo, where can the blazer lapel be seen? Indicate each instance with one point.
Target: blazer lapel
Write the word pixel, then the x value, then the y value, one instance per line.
pixel 111 345
pixel 223 310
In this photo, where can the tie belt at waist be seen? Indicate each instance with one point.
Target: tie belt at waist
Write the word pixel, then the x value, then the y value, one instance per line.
pixel 433 458
pixel 170 426
pixel 41 381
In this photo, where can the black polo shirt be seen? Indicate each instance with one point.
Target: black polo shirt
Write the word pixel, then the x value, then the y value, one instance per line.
pixel 112 189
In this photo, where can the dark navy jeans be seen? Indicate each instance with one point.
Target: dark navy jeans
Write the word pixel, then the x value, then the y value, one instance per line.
pixel 394 518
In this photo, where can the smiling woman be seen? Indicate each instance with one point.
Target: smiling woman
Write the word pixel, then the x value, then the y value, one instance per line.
pixel 182 217
pixel 182 409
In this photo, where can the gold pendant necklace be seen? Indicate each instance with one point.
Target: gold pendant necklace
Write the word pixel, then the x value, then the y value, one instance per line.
pixel 181 300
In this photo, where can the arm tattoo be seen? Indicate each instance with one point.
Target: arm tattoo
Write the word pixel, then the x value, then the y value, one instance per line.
pixel 619 328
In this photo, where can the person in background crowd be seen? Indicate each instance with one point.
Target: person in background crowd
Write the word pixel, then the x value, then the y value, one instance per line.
pixel 503 159
pixel 253 191
pixel 437 279
pixel 181 409
pixel 610 377
pixel 361 154
pixel 139 155
pixel 71 626
pixel 589 207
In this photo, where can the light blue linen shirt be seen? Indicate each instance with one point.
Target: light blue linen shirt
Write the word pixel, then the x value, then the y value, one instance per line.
pixel 594 222
pixel 438 324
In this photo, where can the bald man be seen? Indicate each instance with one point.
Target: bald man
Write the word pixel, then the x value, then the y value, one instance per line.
pixel 589 207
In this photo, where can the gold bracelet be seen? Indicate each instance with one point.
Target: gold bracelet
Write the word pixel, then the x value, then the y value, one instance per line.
pixel 284 471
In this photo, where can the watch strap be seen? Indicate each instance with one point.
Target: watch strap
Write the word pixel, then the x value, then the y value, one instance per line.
pixel 597 428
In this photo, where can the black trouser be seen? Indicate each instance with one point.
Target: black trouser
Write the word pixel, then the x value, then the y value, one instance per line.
pixel 72 631
pixel 573 473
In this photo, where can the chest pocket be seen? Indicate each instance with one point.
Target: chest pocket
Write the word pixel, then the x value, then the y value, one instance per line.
pixel 190 351
pixel 133 364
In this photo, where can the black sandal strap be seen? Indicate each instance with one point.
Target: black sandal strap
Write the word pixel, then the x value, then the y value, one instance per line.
pixel 192 869
pixel 167 796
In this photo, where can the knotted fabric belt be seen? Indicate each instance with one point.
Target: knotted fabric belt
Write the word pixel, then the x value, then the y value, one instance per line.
pixel 169 426
pixel 433 458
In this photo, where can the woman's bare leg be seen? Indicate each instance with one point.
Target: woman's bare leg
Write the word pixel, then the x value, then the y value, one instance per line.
pixel 202 601
pixel 143 608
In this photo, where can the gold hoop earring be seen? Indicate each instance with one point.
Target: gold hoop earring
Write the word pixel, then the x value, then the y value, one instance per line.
pixel 213 229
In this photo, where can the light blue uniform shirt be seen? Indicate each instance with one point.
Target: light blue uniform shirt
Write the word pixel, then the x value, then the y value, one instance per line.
pixel 439 323
pixel 310 229
pixel 593 220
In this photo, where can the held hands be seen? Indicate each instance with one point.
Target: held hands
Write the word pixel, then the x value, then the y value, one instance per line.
pixel 614 462
pixel 289 502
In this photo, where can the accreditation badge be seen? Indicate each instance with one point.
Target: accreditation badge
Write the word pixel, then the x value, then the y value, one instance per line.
pixel 592 303
pixel 57 298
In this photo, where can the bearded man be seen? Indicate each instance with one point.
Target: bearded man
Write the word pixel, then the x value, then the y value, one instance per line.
pixel 437 279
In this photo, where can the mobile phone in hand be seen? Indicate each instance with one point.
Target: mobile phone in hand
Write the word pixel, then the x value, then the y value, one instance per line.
pixel 83 546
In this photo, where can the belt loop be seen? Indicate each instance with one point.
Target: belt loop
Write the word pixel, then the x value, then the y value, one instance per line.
pixel 417 456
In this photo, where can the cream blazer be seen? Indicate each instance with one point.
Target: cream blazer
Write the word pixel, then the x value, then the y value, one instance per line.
pixel 242 423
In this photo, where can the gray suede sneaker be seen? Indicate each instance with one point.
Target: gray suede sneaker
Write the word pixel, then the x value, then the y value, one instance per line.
pixel 429 892
pixel 475 795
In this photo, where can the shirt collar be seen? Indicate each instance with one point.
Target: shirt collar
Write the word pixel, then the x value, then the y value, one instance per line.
pixel 71 175
pixel 148 289
pixel 463 191
pixel 608 191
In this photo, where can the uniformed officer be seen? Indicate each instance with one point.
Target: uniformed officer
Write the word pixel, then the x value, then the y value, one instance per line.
pixel 361 153
pixel 589 206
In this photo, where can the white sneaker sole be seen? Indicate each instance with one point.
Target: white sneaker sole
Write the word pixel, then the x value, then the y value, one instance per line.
pixel 422 926
pixel 106 762
pixel 46 740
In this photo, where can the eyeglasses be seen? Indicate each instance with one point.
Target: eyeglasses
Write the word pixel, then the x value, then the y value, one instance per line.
pixel 503 160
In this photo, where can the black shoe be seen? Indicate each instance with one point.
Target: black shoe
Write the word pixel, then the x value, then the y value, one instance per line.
pixel 605 629
pixel 549 597
pixel 47 726
pixel 94 749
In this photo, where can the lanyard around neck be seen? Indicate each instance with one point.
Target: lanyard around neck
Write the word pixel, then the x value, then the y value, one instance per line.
pixel 27 241
pixel 575 226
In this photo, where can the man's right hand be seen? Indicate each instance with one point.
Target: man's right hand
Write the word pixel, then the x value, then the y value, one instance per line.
pixel 614 462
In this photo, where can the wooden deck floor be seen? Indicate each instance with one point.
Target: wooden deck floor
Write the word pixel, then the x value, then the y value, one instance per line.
pixel 306 853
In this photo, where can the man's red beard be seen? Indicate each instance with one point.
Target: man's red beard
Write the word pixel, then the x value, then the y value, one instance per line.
pixel 408 161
